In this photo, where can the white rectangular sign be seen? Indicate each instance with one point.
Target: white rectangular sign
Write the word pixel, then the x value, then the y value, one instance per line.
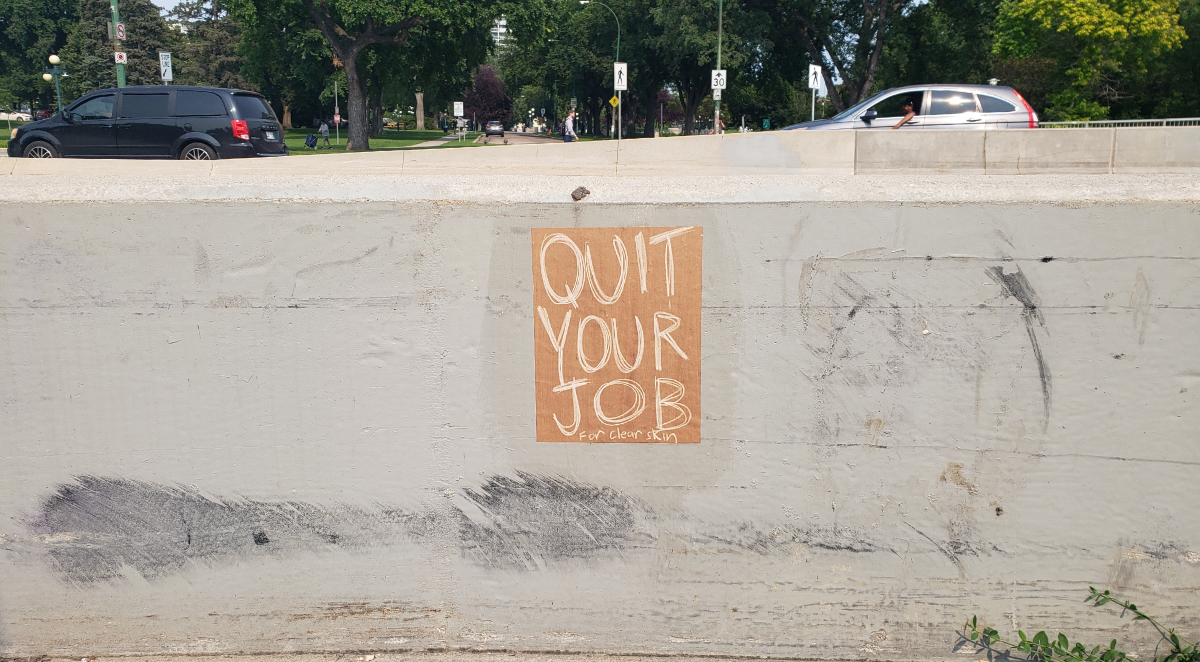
pixel 164 66
pixel 814 77
pixel 717 94
pixel 718 79
pixel 620 76
pixel 458 109
pixel 119 57
pixel 120 31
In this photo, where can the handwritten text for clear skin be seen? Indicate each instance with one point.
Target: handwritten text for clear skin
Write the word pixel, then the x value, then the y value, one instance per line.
pixel 670 413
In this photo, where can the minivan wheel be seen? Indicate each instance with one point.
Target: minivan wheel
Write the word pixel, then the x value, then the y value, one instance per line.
pixel 197 152
pixel 40 149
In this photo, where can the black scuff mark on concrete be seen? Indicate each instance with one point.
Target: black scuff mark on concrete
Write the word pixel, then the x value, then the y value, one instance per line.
pixel 1017 286
pixel 96 527
pixel 948 553
pixel 532 522
pixel 784 538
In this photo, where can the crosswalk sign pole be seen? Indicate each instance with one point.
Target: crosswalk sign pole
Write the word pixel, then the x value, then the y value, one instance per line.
pixel 116 19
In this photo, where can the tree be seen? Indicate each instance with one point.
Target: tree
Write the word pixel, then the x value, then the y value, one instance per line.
pixel 1087 51
pixel 207 48
pixel 846 37
pixel 486 101
pixel 941 41
pixel 284 58
pixel 88 54
pixel 30 31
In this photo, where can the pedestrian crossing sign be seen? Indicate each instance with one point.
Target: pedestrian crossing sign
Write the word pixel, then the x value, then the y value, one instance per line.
pixel 614 101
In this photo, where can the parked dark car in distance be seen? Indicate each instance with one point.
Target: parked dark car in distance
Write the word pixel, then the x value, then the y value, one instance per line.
pixel 494 128
pixel 156 122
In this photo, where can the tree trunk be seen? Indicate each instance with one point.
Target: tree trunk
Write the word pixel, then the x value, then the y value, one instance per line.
pixel 420 111
pixel 651 114
pixel 287 116
pixel 692 98
pixel 358 135
pixel 376 103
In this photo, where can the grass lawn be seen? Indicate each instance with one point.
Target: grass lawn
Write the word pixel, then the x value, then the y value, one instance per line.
pixel 391 139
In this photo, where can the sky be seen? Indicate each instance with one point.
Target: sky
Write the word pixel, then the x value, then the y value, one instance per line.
pixel 166 4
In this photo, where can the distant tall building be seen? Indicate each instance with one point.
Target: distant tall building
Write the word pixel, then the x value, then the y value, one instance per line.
pixel 500 33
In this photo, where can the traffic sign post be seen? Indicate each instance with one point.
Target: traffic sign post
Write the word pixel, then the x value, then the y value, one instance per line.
pixel 118 56
pixel 719 80
pixel 620 84
pixel 164 67
pixel 718 75
pixel 814 84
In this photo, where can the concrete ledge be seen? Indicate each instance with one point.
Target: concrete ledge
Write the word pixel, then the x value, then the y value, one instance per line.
pixel 1157 149
pixel 917 151
pixel 61 181
pixel 1037 151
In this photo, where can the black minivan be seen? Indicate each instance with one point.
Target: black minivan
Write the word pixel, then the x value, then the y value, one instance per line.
pixel 156 122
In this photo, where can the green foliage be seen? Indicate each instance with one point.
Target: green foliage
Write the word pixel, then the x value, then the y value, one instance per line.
pixel 206 50
pixel 944 41
pixel 1042 648
pixel 30 31
pixel 1084 50
pixel 88 54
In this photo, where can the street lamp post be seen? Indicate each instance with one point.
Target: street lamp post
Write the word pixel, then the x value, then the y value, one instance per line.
pixel 52 74
pixel 620 98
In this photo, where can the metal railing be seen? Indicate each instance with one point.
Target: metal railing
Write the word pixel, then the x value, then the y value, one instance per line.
pixel 1120 124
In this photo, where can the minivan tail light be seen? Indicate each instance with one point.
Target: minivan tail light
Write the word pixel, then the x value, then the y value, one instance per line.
pixel 242 132
pixel 1033 119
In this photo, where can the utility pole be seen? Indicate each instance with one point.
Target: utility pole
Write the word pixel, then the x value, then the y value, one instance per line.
pixel 716 102
pixel 116 19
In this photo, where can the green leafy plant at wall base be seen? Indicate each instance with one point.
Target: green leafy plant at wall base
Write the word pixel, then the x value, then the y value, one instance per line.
pixel 1041 648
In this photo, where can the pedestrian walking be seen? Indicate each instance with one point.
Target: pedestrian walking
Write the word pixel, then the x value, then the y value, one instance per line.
pixel 569 128
pixel 325 133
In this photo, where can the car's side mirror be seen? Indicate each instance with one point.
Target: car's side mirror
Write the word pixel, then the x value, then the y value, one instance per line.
pixel 869 115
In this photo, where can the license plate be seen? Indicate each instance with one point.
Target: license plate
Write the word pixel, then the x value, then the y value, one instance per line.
pixel 271 135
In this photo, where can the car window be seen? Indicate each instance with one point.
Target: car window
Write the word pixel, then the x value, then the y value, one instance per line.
pixel 253 108
pixel 135 106
pixel 949 102
pixel 96 108
pixel 893 106
pixel 194 103
pixel 994 105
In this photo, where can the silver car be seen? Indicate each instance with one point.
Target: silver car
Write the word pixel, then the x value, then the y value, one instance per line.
pixel 936 107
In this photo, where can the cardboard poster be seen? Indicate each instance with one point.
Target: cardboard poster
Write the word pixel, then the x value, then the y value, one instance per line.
pixel 616 334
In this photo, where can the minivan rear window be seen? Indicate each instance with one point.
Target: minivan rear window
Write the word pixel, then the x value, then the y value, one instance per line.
pixel 194 103
pixel 253 108
pixel 143 105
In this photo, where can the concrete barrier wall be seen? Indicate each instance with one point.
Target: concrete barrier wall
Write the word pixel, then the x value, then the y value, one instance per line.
pixel 1151 150
pixel 254 424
